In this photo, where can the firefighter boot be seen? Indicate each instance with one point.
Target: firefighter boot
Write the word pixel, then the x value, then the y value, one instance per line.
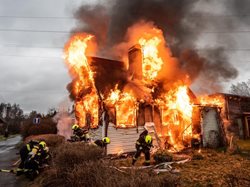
pixel 146 163
pixel 133 162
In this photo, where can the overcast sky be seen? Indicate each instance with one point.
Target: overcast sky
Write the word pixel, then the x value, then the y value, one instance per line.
pixel 33 33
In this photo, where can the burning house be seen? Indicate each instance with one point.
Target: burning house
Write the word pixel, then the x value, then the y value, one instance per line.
pixel 118 99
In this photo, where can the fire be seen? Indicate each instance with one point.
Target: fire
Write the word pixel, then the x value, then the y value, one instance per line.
pixel 152 63
pixel 86 104
pixel 174 105
pixel 125 108
pixel 216 100
pixel 176 112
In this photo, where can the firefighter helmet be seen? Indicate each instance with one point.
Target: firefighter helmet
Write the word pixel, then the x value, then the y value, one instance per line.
pixel 75 126
pixel 42 144
pixel 148 139
pixel 106 140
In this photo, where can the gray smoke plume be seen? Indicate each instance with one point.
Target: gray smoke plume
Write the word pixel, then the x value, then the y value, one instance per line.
pixel 94 20
pixel 182 26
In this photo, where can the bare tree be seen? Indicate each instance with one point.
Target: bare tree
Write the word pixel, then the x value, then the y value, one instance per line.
pixel 241 88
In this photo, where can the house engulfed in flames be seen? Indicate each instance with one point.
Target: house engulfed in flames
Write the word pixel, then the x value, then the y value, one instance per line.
pixel 121 104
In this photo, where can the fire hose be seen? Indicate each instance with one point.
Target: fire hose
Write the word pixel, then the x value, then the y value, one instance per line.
pixel 8 171
pixel 14 171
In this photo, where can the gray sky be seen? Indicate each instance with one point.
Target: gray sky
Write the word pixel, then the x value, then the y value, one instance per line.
pixel 33 73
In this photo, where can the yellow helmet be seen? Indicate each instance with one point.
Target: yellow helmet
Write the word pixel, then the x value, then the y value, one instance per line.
pixel 75 126
pixel 43 144
pixel 106 140
pixel 148 139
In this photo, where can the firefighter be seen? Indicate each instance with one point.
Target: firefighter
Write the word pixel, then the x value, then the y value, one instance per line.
pixel 143 145
pixel 80 134
pixel 25 150
pixel 43 156
pixel 102 143
pixel 35 160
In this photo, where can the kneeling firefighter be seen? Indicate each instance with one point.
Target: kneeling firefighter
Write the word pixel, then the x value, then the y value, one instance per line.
pixel 102 143
pixel 80 134
pixel 143 145
pixel 35 159
pixel 24 153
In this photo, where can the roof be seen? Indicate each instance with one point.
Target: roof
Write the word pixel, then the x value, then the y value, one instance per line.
pixel 232 95
pixel 108 73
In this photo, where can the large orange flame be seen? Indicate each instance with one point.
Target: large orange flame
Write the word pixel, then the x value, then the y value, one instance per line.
pixel 175 105
pixel 152 63
pixel 86 105
pixel 125 106
pixel 215 100
pixel 176 112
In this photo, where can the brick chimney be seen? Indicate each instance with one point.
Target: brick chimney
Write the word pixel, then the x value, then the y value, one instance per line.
pixel 135 62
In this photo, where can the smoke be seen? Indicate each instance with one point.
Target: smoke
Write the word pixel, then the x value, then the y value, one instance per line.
pixel 64 123
pixel 182 25
pixel 239 8
pixel 94 20
pixel 64 120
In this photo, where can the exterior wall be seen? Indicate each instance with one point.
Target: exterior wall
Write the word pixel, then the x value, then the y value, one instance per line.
pixel 96 134
pixel 236 109
pixel 122 139
pixel 210 127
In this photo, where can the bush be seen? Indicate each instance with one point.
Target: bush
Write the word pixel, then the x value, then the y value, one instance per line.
pixel 197 156
pixel 70 154
pixel 163 156
pixel 52 140
pixel 47 126
pixel 80 165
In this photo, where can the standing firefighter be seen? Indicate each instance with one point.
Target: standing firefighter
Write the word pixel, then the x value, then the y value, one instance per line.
pixel 143 145
pixel 80 134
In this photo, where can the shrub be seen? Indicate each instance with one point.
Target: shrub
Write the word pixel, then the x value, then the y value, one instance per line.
pixel 80 165
pixel 163 156
pixel 70 154
pixel 197 156
pixel 52 140
pixel 47 126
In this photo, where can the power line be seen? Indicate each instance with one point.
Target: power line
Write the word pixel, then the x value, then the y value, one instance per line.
pixel 37 31
pixel 30 46
pixel 23 56
pixel 224 49
pixel 67 32
pixel 32 91
pixel 35 17
pixel 225 32
pixel 218 16
pixel 63 17
pixel 48 47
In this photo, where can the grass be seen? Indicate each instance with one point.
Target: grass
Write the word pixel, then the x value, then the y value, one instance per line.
pixel 52 140
pixel 79 164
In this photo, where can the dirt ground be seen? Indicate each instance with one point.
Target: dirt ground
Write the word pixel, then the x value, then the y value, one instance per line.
pixel 207 168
